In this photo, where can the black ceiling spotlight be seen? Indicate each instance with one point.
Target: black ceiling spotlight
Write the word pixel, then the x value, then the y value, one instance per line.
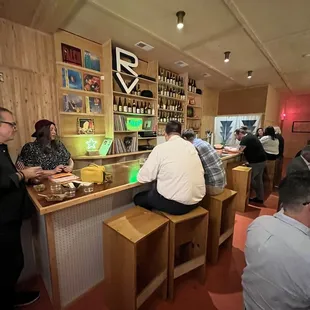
pixel 250 74
pixel 180 16
pixel 227 54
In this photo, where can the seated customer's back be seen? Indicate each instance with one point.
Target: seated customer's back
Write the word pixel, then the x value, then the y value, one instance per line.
pixel 180 165
pixel 277 275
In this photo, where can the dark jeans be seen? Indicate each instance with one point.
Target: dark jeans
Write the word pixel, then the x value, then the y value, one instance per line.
pixel 153 200
pixel 257 183
pixel 11 265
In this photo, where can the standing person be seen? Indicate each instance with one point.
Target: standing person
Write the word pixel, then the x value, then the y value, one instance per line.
pixel 46 151
pixel 176 167
pixel 255 155
pixel 15 205
pixel 277 252
pixel 270 143
pixel 279 162
pixel 259 133
pixel 215 176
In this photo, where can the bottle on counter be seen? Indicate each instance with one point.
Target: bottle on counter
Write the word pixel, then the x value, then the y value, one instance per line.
pixel 115 108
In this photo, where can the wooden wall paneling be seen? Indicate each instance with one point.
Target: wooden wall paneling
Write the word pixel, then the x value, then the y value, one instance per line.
pixel 27 60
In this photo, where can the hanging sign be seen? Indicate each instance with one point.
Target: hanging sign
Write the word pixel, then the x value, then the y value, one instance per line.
pixel 125 60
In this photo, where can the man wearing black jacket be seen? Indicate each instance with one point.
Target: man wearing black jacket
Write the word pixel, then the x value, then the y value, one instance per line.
pixel 15 205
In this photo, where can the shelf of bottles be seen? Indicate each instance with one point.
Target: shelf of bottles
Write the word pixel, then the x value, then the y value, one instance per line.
pixel 170 85
pixel 192 88
pixel 127 106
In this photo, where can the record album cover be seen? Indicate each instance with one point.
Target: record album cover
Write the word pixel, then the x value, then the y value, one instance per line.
pixel 72 103
pixel 91 61
pixel 93 105
pixel 91 83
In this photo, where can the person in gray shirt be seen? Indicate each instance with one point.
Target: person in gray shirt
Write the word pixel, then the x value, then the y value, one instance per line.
pixel 277 252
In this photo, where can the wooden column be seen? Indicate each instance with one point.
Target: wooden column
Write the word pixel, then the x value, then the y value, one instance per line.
pixel 241 177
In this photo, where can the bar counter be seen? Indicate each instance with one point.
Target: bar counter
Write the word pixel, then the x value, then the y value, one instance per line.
pixel 68 234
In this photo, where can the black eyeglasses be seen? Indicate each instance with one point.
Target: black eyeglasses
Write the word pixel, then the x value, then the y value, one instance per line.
pixel 13 124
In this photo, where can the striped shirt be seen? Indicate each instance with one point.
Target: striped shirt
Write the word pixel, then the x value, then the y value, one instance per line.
pixel 212 164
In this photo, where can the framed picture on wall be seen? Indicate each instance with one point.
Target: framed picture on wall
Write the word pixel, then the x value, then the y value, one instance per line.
pixel 301 127
pixel 86 126
pixel 91 61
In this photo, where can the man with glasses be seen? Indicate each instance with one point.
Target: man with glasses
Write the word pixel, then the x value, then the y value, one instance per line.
pixel 277 251
pixel 15 205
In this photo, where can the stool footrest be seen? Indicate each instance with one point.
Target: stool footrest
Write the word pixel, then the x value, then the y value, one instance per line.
pixel 189 266
pixel 226 235
pixel 151 288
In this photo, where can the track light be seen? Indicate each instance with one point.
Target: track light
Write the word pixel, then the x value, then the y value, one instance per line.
pixel 250 74
pixel 180 16
pixel 227 54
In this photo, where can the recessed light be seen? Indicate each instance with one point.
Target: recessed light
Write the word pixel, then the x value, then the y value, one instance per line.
pixel 250 74
pixel 306 55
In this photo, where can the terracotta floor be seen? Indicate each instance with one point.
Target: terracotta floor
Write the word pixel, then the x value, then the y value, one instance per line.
pixel 221 291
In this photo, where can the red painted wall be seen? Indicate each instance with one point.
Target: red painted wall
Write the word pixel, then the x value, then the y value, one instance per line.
pixel 296 108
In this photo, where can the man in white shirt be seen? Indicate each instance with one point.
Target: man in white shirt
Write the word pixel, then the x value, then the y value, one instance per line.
pixel 176 167
pixel 277 252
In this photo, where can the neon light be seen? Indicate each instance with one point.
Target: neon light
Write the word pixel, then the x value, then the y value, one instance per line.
pixel 91 144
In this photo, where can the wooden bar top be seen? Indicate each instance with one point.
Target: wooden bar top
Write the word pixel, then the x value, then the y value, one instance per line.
pixel 124 177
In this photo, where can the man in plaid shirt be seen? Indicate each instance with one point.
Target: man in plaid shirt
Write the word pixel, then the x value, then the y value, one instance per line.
pixel 215 176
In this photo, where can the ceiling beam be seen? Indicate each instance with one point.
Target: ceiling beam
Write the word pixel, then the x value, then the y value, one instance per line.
pixel 234 10
pixel 44 15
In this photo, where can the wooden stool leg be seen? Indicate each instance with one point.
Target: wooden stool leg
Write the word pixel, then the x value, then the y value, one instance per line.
pixel 214 232
pixel 201 273
pixel 171 261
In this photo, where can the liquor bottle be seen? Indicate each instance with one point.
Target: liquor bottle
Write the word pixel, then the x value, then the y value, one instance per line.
pixel 129 106
pixel 134 91
pixel 125 107
pixel 134 107
pixel 160 116
pixel 168 77
pixel 189 85
pixel 149 110
pixel 159 75
pixel 161 103
pixel 174 80
pixel 120 105
pixel 153 110
pixel 195 88
pixel 165 76
pixel 138 107
pixel 164 105
pixel 138 90
pixel 141 108
pixel 114 104
pixel 165 118
pixel 145 108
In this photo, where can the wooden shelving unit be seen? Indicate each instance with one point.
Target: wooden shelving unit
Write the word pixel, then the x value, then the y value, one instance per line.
pixel 104 121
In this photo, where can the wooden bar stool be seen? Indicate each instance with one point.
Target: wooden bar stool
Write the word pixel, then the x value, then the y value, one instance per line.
pixel 135 245
pixel 222 220
pixel 188 235
pixel 241 176
pixel 269 177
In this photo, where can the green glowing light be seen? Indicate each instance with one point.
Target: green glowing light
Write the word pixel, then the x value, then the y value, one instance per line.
pixel 134 124
pixel 91 144
pixel 133 174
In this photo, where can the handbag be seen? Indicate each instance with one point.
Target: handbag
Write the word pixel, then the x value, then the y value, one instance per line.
pixel 93 174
